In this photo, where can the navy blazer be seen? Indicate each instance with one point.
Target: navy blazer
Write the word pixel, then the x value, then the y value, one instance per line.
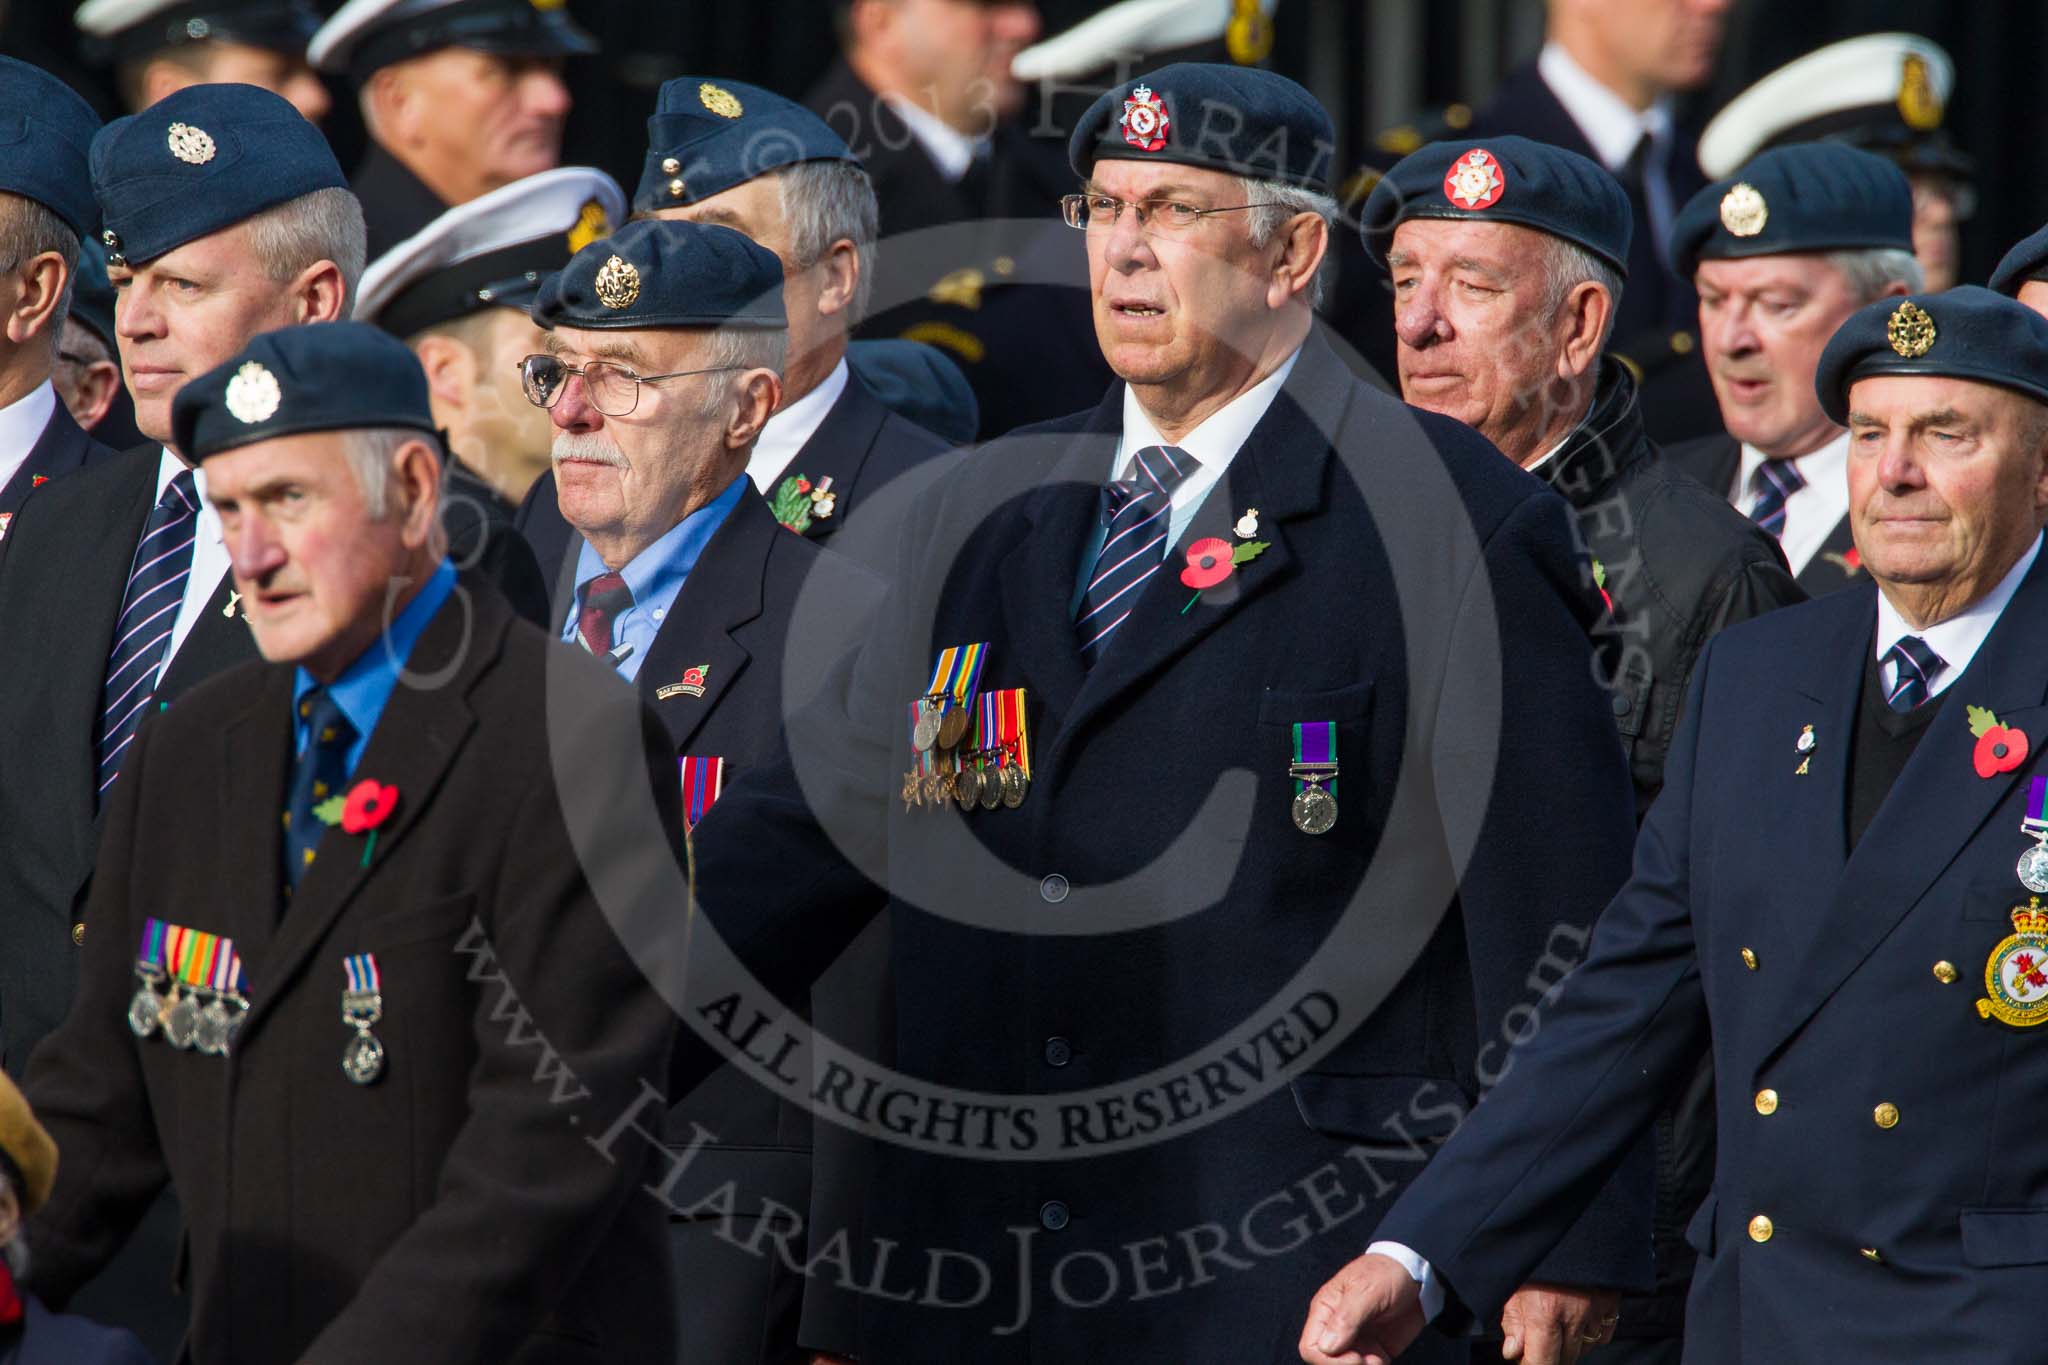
pixel 1715 460
pixel 1878 1190
pixel 46 1338
pixel 1187 718
pixel 63 447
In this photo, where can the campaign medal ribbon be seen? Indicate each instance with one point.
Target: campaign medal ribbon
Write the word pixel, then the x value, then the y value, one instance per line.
pixel 956 679
pixel 362 1005
pixel 703 783
pixel 1314 771
pixel 190 964
pixel 146 1010
pixel 2033 866
pixel 221 1016
pixel 1004 736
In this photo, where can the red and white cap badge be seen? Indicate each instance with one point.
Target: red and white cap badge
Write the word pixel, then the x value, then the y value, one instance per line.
pixel 1475 180
pixel 1144 121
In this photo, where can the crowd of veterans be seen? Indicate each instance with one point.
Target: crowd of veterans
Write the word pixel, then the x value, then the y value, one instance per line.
pixel 918 741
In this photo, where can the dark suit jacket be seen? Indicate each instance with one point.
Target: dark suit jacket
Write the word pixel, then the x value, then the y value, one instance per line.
pixel 46 1338
pixel 1921 1241
pixel 61 448
pixel 861 445
pixel 1112 927
pixel 452 1210
pixel 396 203
pixel 1716 460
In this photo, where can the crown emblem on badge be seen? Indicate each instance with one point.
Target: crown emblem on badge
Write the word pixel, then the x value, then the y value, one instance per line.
pixel 1919 106
pixel 1743 211
pixel 618 283
pixel 1144 120
pixel 719 100
pixel 193 146
pixel 2030 918
pixel 1475 180
pixel 253 395
pixel 1910 331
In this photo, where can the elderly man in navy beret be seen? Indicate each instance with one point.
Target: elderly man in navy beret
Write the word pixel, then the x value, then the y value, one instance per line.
pixel 1782 252
pixel 158 47
pixel 1850 847
pixel 325 1039
pixel 2022 273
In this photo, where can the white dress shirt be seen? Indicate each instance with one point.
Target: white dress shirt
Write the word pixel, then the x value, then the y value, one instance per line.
pixel 1614 129
pixel 21 426
pixel 951 150
pixel 209 558
pixel 1812 513
pixel 791 429
pixel 1957 639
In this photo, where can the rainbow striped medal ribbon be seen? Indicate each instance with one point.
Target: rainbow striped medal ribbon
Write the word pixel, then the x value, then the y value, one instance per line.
pixel 362 1005
pixel 1006 740
pixel 221 1017
pixel 2033 868
pixel 943 713
pixel 189 954
pixel 146 1011
pixel 1314 771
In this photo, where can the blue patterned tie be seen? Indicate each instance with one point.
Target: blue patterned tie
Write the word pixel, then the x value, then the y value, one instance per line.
pixel 317 775
pixel 1774 483
pixel 149 608
pixel 1135 515
pixel 1914 667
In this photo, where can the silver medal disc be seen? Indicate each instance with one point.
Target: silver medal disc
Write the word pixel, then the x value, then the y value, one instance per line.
pixel 2033 869
pixel 927 732
pixel 211 1037
pixel 1315 810
pixel 145 1012
pixel 181 1025
pixel 362 1061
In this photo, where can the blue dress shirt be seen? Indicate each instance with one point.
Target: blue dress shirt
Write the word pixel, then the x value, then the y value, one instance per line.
pixel 364 687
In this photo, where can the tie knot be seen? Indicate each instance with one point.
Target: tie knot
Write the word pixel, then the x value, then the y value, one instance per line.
pixel 608 593
pixel 180 494
pixel 1912 652
pixel 1157 469
pixel 1782 476
pixel 324 718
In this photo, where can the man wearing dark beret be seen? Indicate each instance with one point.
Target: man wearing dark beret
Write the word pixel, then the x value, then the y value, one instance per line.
pixel 308 1038
pixel 2022 272
pixel 1782 252
pixel 1826 895
pixel 88 372
pixel 46 209
pixel 1181 587
pixel 158 47
pixel 459 97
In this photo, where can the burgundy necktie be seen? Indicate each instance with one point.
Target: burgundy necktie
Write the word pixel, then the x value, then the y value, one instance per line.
pixel 604 597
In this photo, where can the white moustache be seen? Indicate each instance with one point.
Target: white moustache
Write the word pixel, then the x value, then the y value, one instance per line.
pixel 587 447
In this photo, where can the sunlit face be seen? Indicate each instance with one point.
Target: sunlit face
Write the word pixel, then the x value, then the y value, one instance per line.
pixel 1664 44
pixel 185 312
pixel 317 571
pixel 1478 341
pixel 959 51
pixel 1764 320
pixel 241 64
pixel 1948 479
pixel 481 119
pixel 2034 294
pixel 511 436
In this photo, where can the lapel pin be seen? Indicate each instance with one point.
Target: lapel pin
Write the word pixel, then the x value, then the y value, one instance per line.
pixel 1804 747
pixel 234 600
pixel 2000 748
pixel 823 499
pixel 691 684
pixel 1247 525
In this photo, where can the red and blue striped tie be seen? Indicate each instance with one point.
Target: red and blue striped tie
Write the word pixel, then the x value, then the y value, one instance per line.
pixel 149 609
pixel 1135 512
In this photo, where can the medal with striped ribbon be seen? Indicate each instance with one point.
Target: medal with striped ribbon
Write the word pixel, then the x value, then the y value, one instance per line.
pixel 1314 771
pixel 362 1005
pixel 703 782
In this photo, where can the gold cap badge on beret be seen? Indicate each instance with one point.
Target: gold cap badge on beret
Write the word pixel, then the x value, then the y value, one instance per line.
pixel 1743 211
pixel 618 283
pixel 1910 331
pixel 719 100
pixel 1919 106
pixel 253 395
pixel 193 146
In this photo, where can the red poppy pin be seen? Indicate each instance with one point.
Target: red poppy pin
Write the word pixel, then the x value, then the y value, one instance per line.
pixel 1211 561
pixel 366 807
pixel 38 480
pixel 2000 748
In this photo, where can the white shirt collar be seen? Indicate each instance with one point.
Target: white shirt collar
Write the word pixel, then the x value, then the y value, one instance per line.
pixel 1957 639
pixel 21 426
pixel 1812 513
pixel 791 429
pixel 1214 443
pixel 1604 117
pixel 951 150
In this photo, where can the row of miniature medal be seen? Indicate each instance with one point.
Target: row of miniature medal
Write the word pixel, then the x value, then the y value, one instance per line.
pixel 206 1001
pixel 996 769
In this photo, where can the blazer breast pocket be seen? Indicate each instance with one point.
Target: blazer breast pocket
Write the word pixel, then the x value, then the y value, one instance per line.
pixel 1309 740
pixel 390 928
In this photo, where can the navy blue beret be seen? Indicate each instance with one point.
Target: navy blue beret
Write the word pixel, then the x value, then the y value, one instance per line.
pixel 201 160
pixel 1504 180
pixel 46 134
pixel 323 376
pixel 919 382
pixel 658 273
pixel 707 136
pixel 365 36
pixel 1963 333
pixel 2026 261
pixel 1236 119
pixel 1810 196
pixel 131 30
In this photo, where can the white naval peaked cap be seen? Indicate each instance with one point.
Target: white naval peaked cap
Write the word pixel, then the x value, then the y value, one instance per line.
pixel 365 34
pixel 491 251
pixel 1128 27
pixel 1856 73
pixel 104 18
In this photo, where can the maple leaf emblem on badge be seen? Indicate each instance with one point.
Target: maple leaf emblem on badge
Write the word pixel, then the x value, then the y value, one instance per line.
pixel 1474 180
pixel 1144 120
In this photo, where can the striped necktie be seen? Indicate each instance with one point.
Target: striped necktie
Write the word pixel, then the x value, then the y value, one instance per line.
pixel 1135 517
pixel 149 609
pixel 1914 667
pixel 1774 483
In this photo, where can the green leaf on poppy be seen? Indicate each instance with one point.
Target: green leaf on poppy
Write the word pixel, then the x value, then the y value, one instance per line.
pixel 328 812
pixel 1599 574
pixel 792 504
pixel 1247 552
pixel 1981 720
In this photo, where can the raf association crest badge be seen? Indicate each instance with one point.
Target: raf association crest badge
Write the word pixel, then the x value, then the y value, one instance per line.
pixel 2016 976
pixel 618 283
pixel 1743 211
pixel 1145 121
pixel 1910 331
pixel 253 395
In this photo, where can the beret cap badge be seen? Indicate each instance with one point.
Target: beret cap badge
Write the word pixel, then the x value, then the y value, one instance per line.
pixel 1474 180
pixel 193 146
pixel 1919 105
pixel 1743 211
pixel 719 100
pixel 1145 120
pixel 618 283
pixel 1910 330
pixel 253 395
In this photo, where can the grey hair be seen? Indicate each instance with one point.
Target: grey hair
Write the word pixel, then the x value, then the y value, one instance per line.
pixel 1279 201
pixel 830 201
pixel 1870 271
pixel 370 453
pixel 745 348
pixel 1566 266
pixel 326 225
pixel 27 230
